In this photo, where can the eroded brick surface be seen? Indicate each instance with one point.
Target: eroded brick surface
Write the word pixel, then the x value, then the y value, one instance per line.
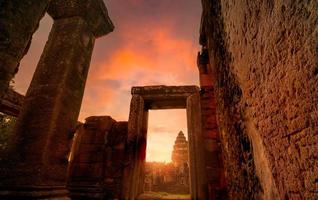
pixel 264 54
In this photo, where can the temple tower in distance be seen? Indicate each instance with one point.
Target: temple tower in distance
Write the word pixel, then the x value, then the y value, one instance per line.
pixel 180 151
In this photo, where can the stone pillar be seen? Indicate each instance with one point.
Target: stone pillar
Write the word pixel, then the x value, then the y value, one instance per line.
pixel 198 180
pixel 213 153
pixel 137 133
pixel 40 143
pixel 18 21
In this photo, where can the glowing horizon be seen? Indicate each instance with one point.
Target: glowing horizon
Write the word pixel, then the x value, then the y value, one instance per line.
pixel 162 132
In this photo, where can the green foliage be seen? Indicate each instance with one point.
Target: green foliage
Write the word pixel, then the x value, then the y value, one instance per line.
pixel 6 125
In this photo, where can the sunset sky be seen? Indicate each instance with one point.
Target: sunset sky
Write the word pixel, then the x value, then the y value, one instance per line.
pixel 155 42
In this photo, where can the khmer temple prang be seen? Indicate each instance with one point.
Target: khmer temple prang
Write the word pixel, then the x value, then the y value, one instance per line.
pixel 83 84
pixel 172 177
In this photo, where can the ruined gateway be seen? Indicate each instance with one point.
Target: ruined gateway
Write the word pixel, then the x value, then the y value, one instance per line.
pixel 253 121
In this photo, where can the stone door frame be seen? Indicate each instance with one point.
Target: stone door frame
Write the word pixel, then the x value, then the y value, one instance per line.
pixel 164 97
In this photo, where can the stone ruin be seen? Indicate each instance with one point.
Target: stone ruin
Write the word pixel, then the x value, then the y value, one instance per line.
pixel 98 159
pixel 171 177
pixel 180 151
pixel 35 164
pixel 252 123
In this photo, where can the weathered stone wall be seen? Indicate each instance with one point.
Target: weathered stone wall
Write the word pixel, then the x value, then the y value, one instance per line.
pixel 98 159
pixel 213 154
pixel 264 57
pixel 18 21
pixel 116 159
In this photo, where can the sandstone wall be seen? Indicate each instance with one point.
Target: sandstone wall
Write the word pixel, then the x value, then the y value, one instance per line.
pixel 213 154
pixel 264 55
pixel 97 159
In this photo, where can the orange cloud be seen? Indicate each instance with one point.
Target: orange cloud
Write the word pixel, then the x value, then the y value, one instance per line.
pixel 154 42
pixel 149 58
pixel 161 53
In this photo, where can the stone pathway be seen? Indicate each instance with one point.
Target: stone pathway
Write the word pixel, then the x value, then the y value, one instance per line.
pixel 163 195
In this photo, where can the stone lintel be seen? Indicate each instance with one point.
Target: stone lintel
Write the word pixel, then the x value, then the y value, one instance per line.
pixel 165 97
pixel 163 90
pixel 94 12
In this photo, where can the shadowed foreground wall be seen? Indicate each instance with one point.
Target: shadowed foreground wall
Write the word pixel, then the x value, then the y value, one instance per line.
pixel 264 55
pixel 98 159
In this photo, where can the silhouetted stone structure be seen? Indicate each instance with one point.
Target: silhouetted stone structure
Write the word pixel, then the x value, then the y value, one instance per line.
pixel 172 177
pixel 98 159
pixel 180 153
pixel 37 159
pixel 166 177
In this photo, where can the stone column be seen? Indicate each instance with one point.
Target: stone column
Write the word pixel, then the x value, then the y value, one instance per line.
pixel 18 21
pixel 213 155
pixel 198 180
pixel 40 144
pixel 137 133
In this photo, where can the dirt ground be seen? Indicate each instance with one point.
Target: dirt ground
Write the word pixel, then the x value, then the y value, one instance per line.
pixel 163 195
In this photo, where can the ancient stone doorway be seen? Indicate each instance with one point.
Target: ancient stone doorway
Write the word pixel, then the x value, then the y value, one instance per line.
pixel 164 97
